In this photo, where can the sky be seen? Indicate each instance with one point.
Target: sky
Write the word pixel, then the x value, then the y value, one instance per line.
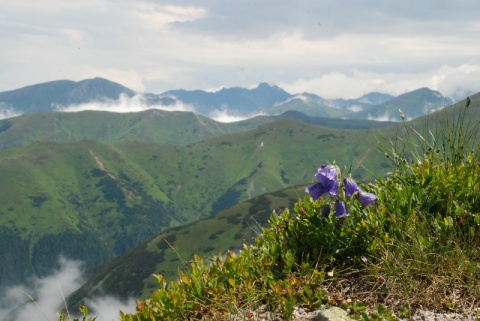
pixel 335 49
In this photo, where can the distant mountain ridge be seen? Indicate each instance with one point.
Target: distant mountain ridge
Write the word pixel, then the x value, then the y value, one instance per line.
pixel 413 104
pixel 247 101
pixel 264 99
pixel 44 97
pixel 152 125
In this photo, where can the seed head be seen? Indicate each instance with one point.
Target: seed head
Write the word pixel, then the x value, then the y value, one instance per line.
pixel 468 102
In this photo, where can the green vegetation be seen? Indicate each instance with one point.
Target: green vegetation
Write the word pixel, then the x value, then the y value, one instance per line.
pixel 155 126
pixel 417 247
pixel 131 273
pixel 148 126
pixel 307 107
pixel 95 200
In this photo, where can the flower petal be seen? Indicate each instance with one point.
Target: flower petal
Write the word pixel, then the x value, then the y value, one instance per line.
pixel 327 174
pixel 315 191
pixel 366 198
pixel 350 186
pixel 340 209
pixel 332 189
pixel 326 211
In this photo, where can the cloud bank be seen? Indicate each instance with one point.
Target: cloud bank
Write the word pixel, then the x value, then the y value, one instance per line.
pixel 138 103
pixel 124 104
pixel 6 112
pixel 44 297
pixel 226 116
pixel 455 82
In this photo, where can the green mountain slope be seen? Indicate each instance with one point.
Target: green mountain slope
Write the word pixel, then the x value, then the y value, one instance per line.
pixel 336 122
pixel 148 126
pixel 92 201
pixel 158 126
pixel 311 108
pixel 131 273
pixel 414 104
pixel 80 200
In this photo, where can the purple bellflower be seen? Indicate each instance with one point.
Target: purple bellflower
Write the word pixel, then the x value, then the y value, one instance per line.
pixel 328 185
pixel 340 209
pixel 326 211
pixel 350 186
pixel 366 198
pixel 327 176
pixel 316 191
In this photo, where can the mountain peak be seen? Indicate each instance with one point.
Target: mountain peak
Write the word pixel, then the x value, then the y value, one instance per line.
pixel 267 86
pixel 263 85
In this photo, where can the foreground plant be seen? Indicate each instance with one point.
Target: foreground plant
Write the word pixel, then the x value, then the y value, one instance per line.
pixel 285 267
pixel 431 202
pixel 331 185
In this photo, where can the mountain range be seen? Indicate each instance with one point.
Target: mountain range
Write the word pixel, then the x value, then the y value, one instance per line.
pixel 108 188
pixel 265 99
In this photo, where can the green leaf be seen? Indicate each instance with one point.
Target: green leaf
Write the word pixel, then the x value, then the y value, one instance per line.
pixel 289 259
pixel 83 310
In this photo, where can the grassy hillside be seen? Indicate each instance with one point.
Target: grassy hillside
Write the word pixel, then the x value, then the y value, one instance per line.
pixel 76 199
pixel 310 108
pixel 414 104
pixel 93 201
pixel 148 126
pixel 337 122
pixel 158 126
pixel 171 250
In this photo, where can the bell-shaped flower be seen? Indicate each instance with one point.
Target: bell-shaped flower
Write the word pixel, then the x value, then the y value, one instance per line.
pixel 326 211
pixel 350 186
pixel 316 191
pixel 366 198
pixel 340 209
pixel 327 176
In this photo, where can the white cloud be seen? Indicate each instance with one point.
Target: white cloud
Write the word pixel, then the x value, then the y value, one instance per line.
pixel 107 308
pixel 225 116
pixel 6 112
pixel 355 108
pixel 124 104
pixel 449 80
pixel 157 16
pixel 385 117
pixel 48 294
